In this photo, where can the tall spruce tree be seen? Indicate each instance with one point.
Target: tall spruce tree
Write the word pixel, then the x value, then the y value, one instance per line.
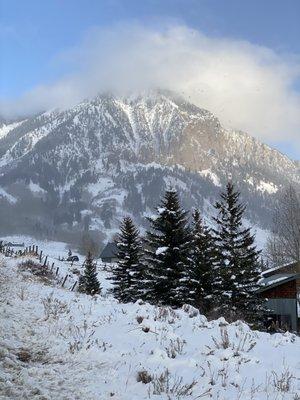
pixel 88 282
pixel 128 273
pixel 205 271
pixel 239 259
pixel 167 254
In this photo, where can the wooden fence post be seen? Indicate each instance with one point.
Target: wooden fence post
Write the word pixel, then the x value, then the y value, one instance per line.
pixel 64 281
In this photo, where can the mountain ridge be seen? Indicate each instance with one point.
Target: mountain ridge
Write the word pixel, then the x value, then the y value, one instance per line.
pixel 132 147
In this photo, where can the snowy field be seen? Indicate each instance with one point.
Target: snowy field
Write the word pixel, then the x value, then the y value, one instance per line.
pixel 61 345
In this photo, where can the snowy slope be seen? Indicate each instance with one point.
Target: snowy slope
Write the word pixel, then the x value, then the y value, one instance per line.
pixel 57 344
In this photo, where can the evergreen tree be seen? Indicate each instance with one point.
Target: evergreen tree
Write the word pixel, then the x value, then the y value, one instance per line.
pixel 239 259
pixel 205 271
pixel 70 253
pixel 167 254
pixel 88 282
pixel 127 275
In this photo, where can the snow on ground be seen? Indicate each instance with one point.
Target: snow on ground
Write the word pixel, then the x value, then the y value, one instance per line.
pixel 5 129
pixel 268 187
pixel 101 186
pixel 208 173
pixel 7 196
pixel 63 345
pixel 36 188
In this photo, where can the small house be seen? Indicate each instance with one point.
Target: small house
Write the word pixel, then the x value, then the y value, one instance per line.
pixel 12 244
pixel 109 253
pixel 281 289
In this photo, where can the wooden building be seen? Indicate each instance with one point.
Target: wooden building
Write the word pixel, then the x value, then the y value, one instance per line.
pixel 281 289
pixel 109 253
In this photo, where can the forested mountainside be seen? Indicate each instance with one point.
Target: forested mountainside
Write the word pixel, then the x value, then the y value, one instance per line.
pixel 85 167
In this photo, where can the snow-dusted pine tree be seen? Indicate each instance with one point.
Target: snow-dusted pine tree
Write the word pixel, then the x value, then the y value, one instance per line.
pixel 205 271
pixel 88 282
pixel 239 259
pixel 167 254
pixel 128 273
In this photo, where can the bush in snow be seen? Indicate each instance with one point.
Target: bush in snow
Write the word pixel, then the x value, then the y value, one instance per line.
pixel 243 341
pixel 165 383
pixel 41 271
pixel 283 381
pixel 53 307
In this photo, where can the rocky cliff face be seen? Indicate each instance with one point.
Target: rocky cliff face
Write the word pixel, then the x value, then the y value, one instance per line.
pixel 90 164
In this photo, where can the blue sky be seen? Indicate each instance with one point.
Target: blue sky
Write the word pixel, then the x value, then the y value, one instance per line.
pixel 34 34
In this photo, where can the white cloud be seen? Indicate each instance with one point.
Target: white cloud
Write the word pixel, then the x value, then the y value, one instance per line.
pixel 248 87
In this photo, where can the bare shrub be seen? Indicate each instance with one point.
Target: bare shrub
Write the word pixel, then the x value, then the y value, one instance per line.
pixel 244 341
pixel 144 377
pixel 175 347
pixel 82 338
pixel 212 375
pixel 190 310
pixel 31 355
pixel 53 307
pixel 282 382
pixel 139 319
pixel 223 342
pixel 23 293
pixel 24 356
pixel 165 314
pixel 224 375
pixel 165 383
pixel 41 271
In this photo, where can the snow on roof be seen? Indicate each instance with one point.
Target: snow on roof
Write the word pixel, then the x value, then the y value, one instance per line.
pixel 277 280
pixel 270 271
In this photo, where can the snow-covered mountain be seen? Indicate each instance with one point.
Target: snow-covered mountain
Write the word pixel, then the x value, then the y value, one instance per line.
pixel 90 164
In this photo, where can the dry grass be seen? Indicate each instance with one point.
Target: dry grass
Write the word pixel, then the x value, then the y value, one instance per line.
pixel 144 377
pixel 175 348
pixel 282 381
pixel 38 270
pixel 242 342
pixel 54 308
pixel 170 385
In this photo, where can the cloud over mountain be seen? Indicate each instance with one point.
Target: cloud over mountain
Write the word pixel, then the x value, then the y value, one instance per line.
pixel 248 87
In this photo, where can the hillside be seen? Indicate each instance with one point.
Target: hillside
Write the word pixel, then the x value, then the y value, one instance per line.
pixel 64 345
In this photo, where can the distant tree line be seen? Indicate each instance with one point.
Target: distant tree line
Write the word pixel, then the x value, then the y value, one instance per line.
pixel 177 262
